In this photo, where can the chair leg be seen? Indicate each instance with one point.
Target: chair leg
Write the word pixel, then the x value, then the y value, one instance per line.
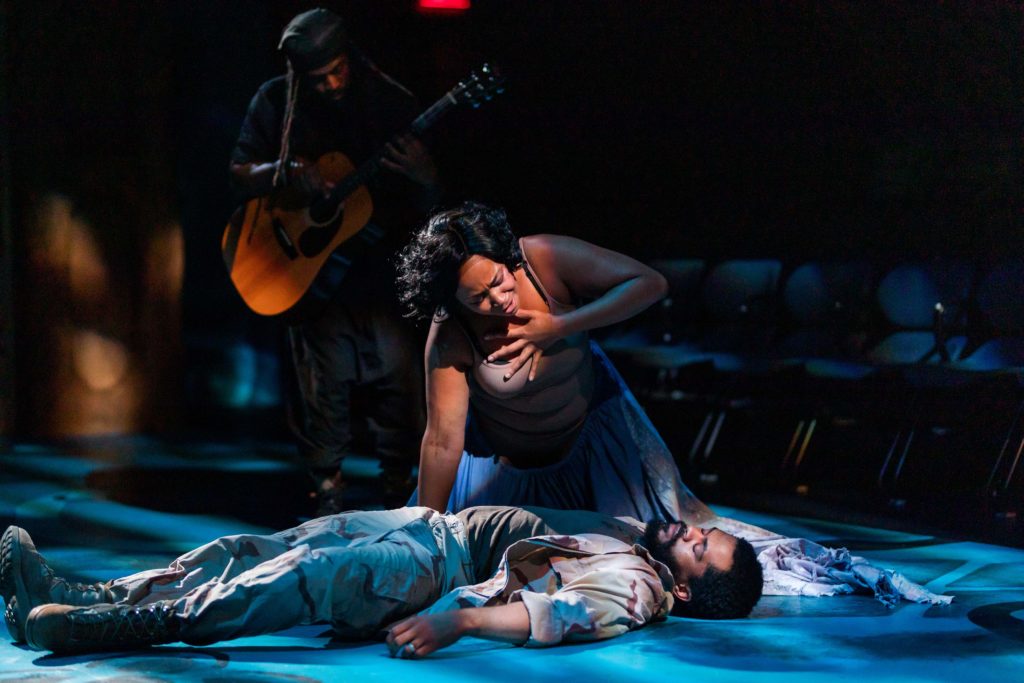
pixel 903 456
pixel 1013 467
pixel 1003 451
pixel 792 448
pixel 804 444
pixel 699 439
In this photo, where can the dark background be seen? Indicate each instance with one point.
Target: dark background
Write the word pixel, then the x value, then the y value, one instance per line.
pixel 793 130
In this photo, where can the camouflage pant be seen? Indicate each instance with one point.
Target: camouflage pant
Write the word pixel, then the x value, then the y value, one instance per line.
pixel 357 570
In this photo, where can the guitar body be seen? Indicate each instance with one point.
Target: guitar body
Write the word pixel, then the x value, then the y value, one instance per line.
pixel 275 246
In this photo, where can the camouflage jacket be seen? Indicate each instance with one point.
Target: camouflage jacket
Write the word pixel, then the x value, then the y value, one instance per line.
pixel 575 588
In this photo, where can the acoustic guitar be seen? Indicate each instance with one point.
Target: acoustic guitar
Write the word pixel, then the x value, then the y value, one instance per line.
pixel 284 255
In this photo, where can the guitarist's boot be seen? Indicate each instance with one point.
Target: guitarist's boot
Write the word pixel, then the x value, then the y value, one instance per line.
pixel 329 494
pixel 26 581
pixel 397 486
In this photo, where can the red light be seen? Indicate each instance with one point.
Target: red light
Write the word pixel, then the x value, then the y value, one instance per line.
pixel 442 5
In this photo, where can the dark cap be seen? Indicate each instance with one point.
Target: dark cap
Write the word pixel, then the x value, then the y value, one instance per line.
pixel 313 38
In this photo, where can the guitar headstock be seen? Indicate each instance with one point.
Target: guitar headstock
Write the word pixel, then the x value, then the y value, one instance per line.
pixel 481 86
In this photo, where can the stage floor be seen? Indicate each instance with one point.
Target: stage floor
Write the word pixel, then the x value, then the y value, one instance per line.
pixel 108 508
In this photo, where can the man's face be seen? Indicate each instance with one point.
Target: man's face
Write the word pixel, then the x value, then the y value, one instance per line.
pixel 689 551
pixel 331 80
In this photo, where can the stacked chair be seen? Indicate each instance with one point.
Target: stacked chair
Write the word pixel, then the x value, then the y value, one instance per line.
pixel 831 322
pixel 898 385
pixel 868 404
pixel 693 374
pixel 999 354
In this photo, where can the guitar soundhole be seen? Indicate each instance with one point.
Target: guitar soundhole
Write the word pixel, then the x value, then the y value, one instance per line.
pixel 315 239
pixel 322 210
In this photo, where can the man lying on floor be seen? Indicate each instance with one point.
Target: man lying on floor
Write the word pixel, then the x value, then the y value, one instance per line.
pixel 530 576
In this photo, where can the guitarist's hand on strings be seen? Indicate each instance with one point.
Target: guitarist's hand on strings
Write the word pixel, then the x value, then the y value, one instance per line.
pixel 305 177
pixel 409 156
pixel 526 338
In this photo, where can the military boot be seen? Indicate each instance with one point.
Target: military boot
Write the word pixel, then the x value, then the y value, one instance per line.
pixel 65 629
pixel 26 581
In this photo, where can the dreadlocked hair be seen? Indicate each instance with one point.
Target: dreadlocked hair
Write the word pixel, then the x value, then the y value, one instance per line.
pixel 280 177
pixel 428 267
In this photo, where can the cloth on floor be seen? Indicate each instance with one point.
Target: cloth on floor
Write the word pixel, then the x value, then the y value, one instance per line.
pixel 797 566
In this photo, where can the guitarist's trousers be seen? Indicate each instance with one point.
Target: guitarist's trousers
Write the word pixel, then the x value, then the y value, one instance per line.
pixel 357 362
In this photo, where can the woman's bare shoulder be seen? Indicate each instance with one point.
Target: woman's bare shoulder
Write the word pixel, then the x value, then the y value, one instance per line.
pixel 548 255
pixel 447 345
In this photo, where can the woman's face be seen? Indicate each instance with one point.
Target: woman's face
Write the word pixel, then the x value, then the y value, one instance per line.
pixel 487 287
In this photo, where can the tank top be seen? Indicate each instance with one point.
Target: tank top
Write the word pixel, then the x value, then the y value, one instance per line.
pixel 529 423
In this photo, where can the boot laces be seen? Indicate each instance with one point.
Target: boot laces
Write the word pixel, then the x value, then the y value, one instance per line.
pixel 71 587
pixel 123 624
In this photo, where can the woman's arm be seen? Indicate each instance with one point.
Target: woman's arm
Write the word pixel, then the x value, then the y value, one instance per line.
pixel 619 288
pixel 447 406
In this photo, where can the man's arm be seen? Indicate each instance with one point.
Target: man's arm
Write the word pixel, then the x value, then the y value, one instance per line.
pixel 254 179
pixel 408 156
pixel 421 635
pixel 254 158
pixel 257 179
pixel 623 595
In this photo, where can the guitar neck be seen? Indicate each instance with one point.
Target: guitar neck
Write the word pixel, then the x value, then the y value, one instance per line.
pixel 366 170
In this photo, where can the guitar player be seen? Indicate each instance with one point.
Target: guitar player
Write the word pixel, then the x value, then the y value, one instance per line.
pixel 357 345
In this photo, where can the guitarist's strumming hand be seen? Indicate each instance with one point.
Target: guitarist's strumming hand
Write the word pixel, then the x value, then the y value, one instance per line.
pixel 529 333
pixel 409 156
pixel 305 177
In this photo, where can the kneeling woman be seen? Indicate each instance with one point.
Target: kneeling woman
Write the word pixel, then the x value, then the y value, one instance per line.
pixel 522 408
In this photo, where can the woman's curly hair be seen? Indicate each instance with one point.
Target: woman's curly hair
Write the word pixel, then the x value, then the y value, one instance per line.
pixel 428 267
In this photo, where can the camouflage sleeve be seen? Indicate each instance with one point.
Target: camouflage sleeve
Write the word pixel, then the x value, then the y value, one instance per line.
pixel 600 604
pixel 462 598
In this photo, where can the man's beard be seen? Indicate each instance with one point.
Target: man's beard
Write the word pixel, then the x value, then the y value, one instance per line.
pixel 324 101
pixel 662 550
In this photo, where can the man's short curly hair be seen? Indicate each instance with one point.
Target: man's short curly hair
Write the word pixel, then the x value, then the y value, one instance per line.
pixel 725 595
pixel 428 267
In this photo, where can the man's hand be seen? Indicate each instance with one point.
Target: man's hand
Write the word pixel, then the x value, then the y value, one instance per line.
pixel 527 339
pixel 409 156
pixel 305 177
pixel 418 635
